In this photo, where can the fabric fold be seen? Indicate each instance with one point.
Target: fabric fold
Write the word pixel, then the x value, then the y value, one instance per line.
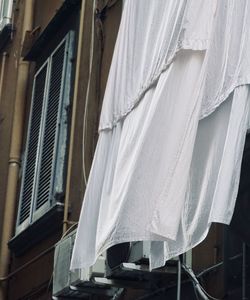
pixel 172 128
pixel 228 54
pixel 213 176
pixel 146 46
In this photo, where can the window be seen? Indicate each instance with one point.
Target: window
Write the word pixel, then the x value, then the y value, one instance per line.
pixel 5 12
pixel 43 174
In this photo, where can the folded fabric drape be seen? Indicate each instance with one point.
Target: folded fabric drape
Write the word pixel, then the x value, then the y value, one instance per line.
pixel 172 128
pixel 150 35
pixel 213 178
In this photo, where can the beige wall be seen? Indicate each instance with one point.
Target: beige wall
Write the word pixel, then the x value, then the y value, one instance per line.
pixel 44 12
pixel 7 99
pixel 110 26
pixel 34 282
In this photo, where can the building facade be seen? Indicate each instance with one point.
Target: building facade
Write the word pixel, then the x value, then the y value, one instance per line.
pixel 55 58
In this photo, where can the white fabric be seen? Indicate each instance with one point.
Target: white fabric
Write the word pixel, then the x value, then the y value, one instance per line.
pixel 228 57
pixel 161 171
pixel 213 178
pixel 150 35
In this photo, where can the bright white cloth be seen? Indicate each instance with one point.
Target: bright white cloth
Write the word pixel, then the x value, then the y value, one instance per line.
pixel 162 171
pixel 213 177
pixel 228 55
pixel 150 35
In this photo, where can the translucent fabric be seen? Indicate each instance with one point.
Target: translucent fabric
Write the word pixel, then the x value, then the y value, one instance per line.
pixel 213 177
pixel 150 35
pixel 167 162
pixel 228 56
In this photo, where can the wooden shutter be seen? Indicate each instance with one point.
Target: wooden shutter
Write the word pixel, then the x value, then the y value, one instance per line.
pixel 31 155
pixel 46 169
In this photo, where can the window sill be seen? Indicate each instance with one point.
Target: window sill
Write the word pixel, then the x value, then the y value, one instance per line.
pixel 39 230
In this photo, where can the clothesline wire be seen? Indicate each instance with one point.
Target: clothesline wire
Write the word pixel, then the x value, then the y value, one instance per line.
pixel 194 279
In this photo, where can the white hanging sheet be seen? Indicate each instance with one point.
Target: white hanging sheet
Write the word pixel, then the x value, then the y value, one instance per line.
pixel 150 35
pixel 228 55
pixel 162 171
pixel 213 177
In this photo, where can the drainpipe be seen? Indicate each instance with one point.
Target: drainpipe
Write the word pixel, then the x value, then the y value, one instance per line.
pixel 15 151
pixel 4 57
pixel 66 222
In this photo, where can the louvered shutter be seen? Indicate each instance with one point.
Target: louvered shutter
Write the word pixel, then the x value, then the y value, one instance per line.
pixel 44 166
pixel 31 157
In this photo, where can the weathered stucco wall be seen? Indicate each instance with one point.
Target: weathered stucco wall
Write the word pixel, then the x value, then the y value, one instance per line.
pixel 101 64
pixel 7 99
pixel 34 281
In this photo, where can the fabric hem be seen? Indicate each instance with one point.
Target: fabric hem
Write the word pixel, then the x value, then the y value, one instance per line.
pixel 171 254
pixel 148 86
pixel 224 96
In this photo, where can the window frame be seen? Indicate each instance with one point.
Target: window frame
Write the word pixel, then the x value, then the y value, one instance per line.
pixel 60 136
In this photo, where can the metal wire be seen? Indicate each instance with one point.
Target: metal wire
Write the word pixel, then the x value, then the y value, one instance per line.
pixel 204 272
pixel 201 291
pixel 118 294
